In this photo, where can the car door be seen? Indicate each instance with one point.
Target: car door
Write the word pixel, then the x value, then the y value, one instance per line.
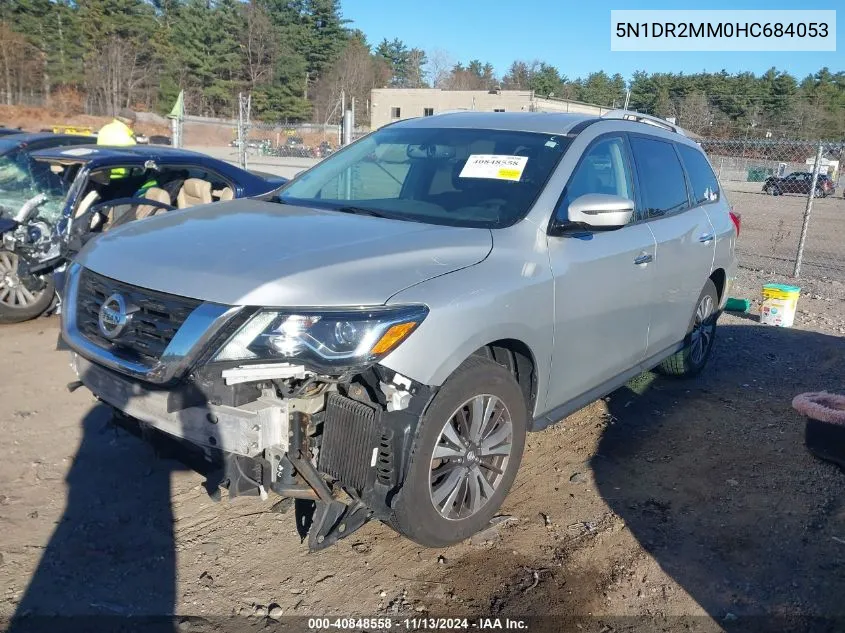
pixel 684 235
pixel 602 282
pixel 801 184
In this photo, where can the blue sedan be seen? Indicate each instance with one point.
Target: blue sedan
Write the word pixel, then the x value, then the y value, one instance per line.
pixel 87 189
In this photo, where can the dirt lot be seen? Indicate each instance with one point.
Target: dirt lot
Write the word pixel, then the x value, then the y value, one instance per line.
pixel 772 228
pixel 686 504
pixel 669 505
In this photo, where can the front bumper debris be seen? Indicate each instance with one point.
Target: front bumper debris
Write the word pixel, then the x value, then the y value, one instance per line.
pixel 316 448
pixel 248 430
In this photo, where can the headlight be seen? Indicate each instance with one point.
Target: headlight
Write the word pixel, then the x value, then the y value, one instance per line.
pixel 326 340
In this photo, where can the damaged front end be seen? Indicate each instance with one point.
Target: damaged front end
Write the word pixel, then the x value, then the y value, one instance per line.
pixel 263 401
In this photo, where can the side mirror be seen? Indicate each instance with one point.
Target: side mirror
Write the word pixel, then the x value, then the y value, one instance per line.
pixel 599 211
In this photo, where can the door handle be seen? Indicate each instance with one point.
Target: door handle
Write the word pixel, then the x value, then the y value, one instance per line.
pixel 643 259
pixel 705 238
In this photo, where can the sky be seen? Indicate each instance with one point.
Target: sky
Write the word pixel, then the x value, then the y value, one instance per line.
pixel 573 35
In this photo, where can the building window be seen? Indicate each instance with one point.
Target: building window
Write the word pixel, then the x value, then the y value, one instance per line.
pixel 395 113
pixel 498 109
pixel 428 111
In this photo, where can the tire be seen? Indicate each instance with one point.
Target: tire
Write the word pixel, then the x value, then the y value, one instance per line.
pixel 691 359
pixel 429 480
pixel 18 304
pixel 768 189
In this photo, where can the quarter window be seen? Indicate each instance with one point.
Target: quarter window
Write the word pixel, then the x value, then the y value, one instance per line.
pixel 661 177
pixel 705 187
pixel 604 169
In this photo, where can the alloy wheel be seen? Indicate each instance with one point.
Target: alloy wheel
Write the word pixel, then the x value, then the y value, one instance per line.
pixel 13 292
pixel 702 330
pixel 470 457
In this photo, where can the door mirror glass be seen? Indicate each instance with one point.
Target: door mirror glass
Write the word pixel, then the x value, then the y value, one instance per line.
pixel 601 211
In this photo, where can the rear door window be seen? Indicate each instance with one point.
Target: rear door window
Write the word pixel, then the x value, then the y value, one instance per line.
pixel 661 177
pixel 705 187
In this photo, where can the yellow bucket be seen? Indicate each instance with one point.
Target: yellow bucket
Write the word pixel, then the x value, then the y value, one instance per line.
pixel 779 304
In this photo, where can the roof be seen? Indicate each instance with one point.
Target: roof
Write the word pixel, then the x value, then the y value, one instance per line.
pixel 32 137
pixel 129 153
pixel 105 157
pixel 541 122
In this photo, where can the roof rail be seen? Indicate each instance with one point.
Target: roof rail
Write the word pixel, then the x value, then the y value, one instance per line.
pixel 628 115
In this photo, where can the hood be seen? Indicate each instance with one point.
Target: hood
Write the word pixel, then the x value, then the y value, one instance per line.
pixel 249 252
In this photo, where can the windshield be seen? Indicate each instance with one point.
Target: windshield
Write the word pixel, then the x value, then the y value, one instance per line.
pixel 451 176
pixel 22 178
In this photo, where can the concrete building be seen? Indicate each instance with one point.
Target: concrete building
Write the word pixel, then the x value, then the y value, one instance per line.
pixel 394 104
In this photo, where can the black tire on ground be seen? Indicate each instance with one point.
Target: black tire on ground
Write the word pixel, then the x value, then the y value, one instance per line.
pixel 689 361
pixel 13 312
pixel 415 515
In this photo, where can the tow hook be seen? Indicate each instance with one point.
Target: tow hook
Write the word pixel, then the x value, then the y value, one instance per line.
pixel 333 519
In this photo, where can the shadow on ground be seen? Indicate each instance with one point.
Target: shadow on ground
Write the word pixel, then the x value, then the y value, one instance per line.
pixel 112 552
pixel 110 564
pixel 712 478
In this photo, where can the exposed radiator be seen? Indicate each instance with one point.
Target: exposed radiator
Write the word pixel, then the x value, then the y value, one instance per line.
pixel 349 437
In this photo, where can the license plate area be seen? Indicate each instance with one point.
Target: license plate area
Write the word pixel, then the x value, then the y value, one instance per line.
pixel 247 430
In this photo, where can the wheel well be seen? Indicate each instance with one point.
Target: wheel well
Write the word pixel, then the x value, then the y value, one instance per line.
pixel 515 356
pixel 718 278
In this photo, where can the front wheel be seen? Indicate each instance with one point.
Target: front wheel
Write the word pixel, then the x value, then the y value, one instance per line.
pixel 698 344
pixel 17 301
pixel 465 457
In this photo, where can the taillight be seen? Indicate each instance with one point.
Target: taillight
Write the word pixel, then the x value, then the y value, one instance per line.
pixel 736 218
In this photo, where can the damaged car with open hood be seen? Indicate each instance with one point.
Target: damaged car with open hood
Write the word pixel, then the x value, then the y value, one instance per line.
pixel 378 336
pixel 80 192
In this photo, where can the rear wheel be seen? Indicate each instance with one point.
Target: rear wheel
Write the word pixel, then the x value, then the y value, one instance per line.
pixel 698 344
pixel 17 301
pixel 466 456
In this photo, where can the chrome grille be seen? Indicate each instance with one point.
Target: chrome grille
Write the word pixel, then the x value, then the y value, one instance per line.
pixel 156 321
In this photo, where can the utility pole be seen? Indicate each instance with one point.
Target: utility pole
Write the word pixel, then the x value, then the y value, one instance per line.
pixel 244 106
pixel 342 114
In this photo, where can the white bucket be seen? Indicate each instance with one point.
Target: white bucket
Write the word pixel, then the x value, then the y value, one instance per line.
pixel 779 305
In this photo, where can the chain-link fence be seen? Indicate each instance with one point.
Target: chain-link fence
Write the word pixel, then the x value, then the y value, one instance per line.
pixel 304 140
pixel 791 195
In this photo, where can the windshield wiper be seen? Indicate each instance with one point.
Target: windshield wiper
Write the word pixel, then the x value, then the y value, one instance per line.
pixel 359 211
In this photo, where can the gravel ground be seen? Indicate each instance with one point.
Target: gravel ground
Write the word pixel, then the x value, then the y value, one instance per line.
pixel 667 503
pixel 771 229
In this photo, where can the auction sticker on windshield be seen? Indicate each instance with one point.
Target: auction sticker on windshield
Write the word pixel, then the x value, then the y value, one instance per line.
pixel 495 166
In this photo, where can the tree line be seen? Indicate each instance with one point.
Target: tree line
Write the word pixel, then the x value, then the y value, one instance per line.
pixel 297 57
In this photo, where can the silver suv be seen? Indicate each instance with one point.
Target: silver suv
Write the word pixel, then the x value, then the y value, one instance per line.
pixel 379 335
